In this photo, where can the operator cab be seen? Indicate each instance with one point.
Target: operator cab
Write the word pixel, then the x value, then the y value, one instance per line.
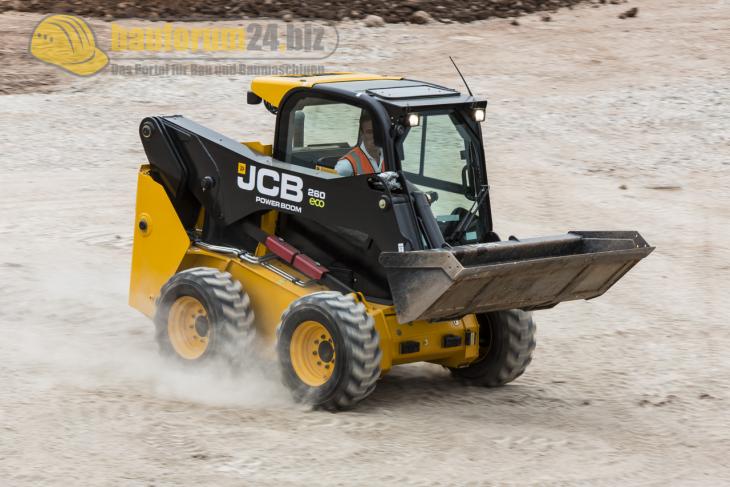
pixel 427 133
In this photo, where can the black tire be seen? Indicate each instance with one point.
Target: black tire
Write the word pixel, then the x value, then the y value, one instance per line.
pixel 229 317
pixel 355 344
pixel 506 343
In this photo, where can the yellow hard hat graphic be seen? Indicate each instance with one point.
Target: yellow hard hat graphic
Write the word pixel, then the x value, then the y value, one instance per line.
pixel 67 42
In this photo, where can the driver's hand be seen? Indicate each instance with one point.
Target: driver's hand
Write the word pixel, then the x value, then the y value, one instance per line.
pixel 344 168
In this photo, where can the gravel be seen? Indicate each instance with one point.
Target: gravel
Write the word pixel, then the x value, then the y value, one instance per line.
pixel 415 11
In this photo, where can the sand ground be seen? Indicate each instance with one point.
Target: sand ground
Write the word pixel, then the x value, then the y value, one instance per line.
pixel 631 388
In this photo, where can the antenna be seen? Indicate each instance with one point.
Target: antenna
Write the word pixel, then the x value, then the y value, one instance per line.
pixel 462 76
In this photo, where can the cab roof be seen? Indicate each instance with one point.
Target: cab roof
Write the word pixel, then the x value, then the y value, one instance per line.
pixel 392 90
pixel 273 88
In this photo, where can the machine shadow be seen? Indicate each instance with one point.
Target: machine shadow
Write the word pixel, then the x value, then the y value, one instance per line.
pixel 421 386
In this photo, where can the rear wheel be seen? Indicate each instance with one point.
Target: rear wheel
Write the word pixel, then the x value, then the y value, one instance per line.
pixel 329 351
pixel 506 343
pixel 203 315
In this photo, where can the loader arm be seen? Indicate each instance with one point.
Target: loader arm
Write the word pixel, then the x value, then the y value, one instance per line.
pixel 201 168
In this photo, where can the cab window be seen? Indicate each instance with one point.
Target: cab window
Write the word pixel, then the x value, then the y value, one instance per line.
pixel 321 132
pixel 440 155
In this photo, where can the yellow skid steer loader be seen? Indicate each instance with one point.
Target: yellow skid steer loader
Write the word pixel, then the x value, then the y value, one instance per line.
pixel 360 239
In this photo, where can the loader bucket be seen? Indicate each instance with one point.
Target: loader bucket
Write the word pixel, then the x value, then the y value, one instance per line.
pixel 527 274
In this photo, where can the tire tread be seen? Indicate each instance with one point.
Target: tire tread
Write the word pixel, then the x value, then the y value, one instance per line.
pixel 362 340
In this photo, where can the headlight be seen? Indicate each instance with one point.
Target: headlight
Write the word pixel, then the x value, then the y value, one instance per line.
pixel 479 114
pixel 414 120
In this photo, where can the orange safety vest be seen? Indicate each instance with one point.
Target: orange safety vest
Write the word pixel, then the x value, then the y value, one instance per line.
pixel 360 162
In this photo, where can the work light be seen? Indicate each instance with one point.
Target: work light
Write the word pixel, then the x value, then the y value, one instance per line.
pixel 414 120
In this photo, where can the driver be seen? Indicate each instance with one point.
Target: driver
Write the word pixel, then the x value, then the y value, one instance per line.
pixel 366 157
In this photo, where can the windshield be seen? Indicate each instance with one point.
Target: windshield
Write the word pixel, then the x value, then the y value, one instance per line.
pixel 439 155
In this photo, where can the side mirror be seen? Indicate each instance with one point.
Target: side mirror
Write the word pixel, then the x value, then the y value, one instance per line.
pixel 298 130
pixel 252 98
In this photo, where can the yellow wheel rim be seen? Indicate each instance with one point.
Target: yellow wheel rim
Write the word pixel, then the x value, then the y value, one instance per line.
pixel 188 328
pixel 312 353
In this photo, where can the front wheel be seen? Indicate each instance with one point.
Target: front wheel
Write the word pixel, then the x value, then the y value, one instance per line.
pixel 506 343
pixel 329 351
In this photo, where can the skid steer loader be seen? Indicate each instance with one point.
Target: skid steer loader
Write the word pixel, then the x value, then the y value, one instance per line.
pixel 362 238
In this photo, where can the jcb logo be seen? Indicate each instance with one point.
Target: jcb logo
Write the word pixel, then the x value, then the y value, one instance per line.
pixel 271 183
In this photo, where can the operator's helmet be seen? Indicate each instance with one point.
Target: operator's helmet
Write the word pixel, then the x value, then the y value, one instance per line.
pixel 67 41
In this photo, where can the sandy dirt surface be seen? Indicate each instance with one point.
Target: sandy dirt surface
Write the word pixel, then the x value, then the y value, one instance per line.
pixel 631 388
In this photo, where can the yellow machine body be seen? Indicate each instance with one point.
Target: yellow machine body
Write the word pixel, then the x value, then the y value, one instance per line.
pixel 160 243
pixel 163 248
